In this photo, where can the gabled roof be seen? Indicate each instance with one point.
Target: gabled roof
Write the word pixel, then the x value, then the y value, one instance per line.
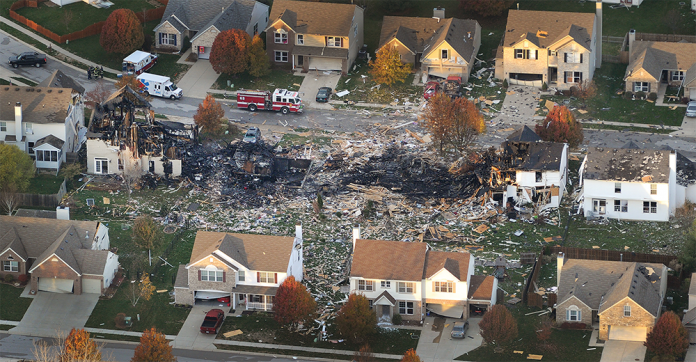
pixel 544 28
pixel 235 16
pixel 314 17
pixel 181 277
pixel 641 283
pixel 63 247
pixel 58 79
pixel 630 165
pixel 39 234
pixel 689 316
pixel 10 240
pixel 481 287
pixel 387 296
pixel 456 263
pixel 524 134
pixel 51 140
pixel 388 260
pixel 40 105
pixel 254 252
pixel 198 15
pixel 127 94
pixel 459 34
pixel 91 261
pixel 534 156
pixel 655 56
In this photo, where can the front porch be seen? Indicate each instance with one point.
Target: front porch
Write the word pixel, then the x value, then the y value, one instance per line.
pixel 253 297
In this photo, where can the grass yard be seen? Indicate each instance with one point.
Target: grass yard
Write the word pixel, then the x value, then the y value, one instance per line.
pixel 262 327
pixel 44 184
pixel 652 129
pixel 564 345
pixel 292 352
pixel 365 90
pixel 277 78
pixel 12 307
pixel 167 66
pixel 76 16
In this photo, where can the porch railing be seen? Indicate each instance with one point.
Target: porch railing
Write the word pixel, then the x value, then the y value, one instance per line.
pixel 259 306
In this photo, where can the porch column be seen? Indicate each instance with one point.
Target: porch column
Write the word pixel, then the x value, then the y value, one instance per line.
pixel 233 296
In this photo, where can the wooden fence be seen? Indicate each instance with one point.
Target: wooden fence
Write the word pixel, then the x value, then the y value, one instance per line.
pixel 612 255
pixel 42 200
pixel 93 29
pixel 528 295
pixel 666 37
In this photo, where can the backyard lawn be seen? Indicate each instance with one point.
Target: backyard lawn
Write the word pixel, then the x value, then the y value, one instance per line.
pixel 44 184
pixel 12 307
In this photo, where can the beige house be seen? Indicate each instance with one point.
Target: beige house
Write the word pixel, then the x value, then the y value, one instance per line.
pixel 652 63
pixel 556 48
pixel 689 319
pixel 313 35
pixel 624 298
pixel 246 268
pixel 439 47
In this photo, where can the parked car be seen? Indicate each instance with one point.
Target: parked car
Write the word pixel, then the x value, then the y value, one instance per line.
pixel 252 135
pixel 213 321
pixel 324 94
pixel 28 58
pixel 431 88
pixel 459 329
pixel 691 109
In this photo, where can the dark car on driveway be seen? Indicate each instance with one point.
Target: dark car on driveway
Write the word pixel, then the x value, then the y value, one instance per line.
pixel 212 321
pixel 28 58
pixel 324 94
pixel 459 329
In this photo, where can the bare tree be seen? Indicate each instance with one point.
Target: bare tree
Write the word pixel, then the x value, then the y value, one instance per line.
pixel 99 94
pixel 585 90
pixel 132 170
pixel 141 289
pixel 9 199
pixel 67 19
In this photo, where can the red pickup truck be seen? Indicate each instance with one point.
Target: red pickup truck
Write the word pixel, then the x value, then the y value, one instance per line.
pixel 213 321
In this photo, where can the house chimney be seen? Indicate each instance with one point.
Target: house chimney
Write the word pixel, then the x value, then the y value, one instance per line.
pixel 559 267
pixel 18 122
pixel 439 12
pixel 631 39
pixel 356 234
pixel 298 231
pixel 63 213
pixel 598 49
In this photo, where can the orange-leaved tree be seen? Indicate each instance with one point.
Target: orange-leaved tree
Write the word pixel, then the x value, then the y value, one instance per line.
pixel 209 115
pixel 668 338
pixel 410 356
pixel 560 126
pixel 437 119
pixel 122 32
pixel 355 321
pixel 364 354
pixel 141 289
pixel 153 347
pixel 258 60
pixel 387 68
pixel 230 54
pixel 498 325
pixel 79 347
pixel 453 122
pixel 292 303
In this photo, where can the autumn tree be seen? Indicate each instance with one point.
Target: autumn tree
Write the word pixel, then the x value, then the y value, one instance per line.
pixel 410 356
pixel 132 82
pixel 364 354
pixel 16 167
pixel 153 347
pixel 668 338
pixel 544 329
pixel 356 321
pixel 485 8
pixel 146 233
pixel 79 347
pixel 387 68
pixel 292 303
pixel 456 122
pixel 560 126
pixel 258 60
pixel 585 90
pixel 141 289
pixel 209 115
pixel 498 325
pixel 122 32
pixel 100 92
pixel 230 53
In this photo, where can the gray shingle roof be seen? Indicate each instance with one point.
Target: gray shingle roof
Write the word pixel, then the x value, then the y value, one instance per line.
pixel 91 261
pixel 181 277
pixel 59 79
pixel 524 134
pixel 315 17
pixel 51 140
pixel 235 16
pixel 620 164
pixel 653 57
pixel 198 15
pixel 555 24
pixel 40 105
pixel 38 234
pixel 10 240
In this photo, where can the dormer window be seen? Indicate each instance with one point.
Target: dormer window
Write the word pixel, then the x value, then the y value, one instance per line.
pixel 280 36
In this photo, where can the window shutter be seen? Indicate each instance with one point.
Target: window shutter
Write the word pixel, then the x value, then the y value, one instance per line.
pixel 565 57
pixel 174 39
pixel 199 275
pixel 341 42
pixel 567 315
pixel 160 38
pixel 258 277
pixel 326 40
pixel 536 54
pixel 224 277
pixel 579 315
pixel 581 58
pixel 275 277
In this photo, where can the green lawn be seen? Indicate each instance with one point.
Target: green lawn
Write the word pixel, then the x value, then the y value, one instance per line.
pixel 262 326
pixel 54 18
pixel 564 345
pixel 44 184
pixel 167 66
pixel 369 91
pixel 12 307
pixel 292 352
pixel 278 78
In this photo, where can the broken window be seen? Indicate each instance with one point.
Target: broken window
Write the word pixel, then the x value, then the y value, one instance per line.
pixel 599 206
pixel 649 207
pixel 653 189
pixel 366 285
pixel 617 187
pixel 537 176
pixel 405 287
pixel 444 54
pixel 406 308
pixel 621 205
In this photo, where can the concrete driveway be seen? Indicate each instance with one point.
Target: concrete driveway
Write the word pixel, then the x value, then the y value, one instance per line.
pixel 519 106
pixel 190 336
pixel 198 79
pixel 51 313
pixel 437 346
pixel 623 351
pixel 311 84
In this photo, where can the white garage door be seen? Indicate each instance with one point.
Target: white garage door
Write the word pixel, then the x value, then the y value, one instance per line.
pixel 205 52
pixel 444 72
pixel 325 63
pixel 56 285
pixel 628 333
pixel 692 93
pixel 91 286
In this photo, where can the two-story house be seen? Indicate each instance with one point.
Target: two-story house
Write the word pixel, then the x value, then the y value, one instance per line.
pixel 439 47
pixel 200 21
pixel 314 35
pixel 410 278
pixel 44 122
pixel 557 48
pixel 246 268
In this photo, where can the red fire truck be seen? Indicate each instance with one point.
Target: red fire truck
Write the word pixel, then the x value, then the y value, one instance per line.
pixel 280 100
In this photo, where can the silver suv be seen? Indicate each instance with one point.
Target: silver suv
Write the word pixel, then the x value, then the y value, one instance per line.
pixel 252 135
pixel 459 329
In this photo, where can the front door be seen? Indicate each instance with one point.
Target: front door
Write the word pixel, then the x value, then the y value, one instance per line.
pixel 599 206
pixel 300 61
pixel 385 311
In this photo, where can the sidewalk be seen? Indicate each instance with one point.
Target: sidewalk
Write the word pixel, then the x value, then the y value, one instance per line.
pixel 97 331
pixel 298 348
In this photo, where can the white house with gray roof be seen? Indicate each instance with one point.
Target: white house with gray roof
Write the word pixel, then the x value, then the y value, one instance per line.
pixel 202 20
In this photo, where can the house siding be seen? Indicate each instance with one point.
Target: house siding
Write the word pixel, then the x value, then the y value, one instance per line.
pixel 167 28
pixel 11 256
pixel 226 286
pixel 585 311
pixel 271 46
pixel 433 63
pixel 204 39
pixel 635 193
pixel 56 269
pixel 614 316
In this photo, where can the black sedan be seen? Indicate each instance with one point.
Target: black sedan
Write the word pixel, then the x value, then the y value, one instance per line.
pixel 324 94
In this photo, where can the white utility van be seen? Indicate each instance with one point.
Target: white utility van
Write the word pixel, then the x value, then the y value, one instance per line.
pixel 160 86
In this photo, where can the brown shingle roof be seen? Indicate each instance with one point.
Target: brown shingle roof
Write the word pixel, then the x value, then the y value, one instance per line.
pixel 39 104
pixel 526 23
pixel 656 56
pixel 630 165
pixel 481 287
pixel 38 234
pixel 455 262
pixel 315 17
pixel 51 140
pixel 255 252
pixel 388 260
pixel 91 261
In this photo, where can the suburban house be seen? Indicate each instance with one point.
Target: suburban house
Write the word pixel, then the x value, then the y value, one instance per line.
pixel 625 298
pixel 439 47
pixel 60 256
pixel 202 20
pixel 630 184
pixel 409 278
pixel 689 319
pixel 655 63
pixel 535 172
pixel 314 35
pixel 45 122
pixel 557 48
pixel 246 268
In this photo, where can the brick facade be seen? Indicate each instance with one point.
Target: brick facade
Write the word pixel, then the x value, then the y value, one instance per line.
pixel 205 39
pixel 614 316
pixel 167 28
pixel 573 303
pixel 55 268
pixel 272 46
pixel 186 296
pixel 11 256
